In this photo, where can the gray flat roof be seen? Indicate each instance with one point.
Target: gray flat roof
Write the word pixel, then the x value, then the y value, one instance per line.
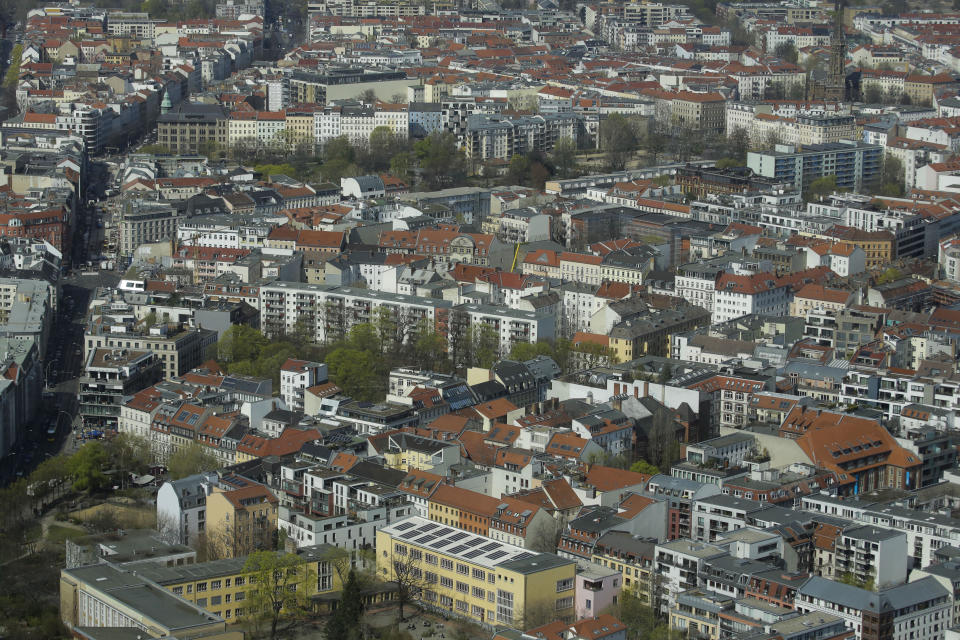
pixel 143 595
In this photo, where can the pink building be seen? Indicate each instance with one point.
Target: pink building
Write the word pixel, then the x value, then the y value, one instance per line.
pixel 596 589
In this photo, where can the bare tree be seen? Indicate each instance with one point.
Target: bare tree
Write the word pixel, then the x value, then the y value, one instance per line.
pixel 545 536
pixel 408 576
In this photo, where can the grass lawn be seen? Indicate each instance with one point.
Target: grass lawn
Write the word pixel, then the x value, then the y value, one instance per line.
pixel 57 534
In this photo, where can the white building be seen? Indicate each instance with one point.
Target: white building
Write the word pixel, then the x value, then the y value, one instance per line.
pixel 920 610
pixel 741 295
pixel 296 376
pixel 182 507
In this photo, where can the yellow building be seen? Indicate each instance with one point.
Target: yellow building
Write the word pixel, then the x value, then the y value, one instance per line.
pixel 220 586
pixel 476 577
pixel 408 452
pixel 107 595
pixel 241 521
pixel 299 127
pixel 632 557
pixel 698 613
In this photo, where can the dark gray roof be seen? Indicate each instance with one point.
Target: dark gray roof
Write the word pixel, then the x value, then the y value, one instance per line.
pixel 898 597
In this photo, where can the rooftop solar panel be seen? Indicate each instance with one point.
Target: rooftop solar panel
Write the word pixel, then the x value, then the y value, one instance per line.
pixel 403 526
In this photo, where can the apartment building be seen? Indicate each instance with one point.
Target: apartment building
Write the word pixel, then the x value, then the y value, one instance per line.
pixel 473 576
pixel 241 520
pixel 920 610
pixel 679 565
pixel 110 375
pixel 190 126
pixel 633 557
pixel 296 376
pixel 179 349
pixel 855 164
pixel 510 326
pixel 21 385
pixel 143 222
pixel 357 122
pixel 926 532
pixel 182 507
pixel 490 137
pixel 329 312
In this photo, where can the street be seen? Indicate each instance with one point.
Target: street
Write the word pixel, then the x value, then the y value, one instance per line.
pixel 63 364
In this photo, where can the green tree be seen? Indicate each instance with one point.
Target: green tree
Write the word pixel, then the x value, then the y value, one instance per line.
pixel 86 467
pixel 519 169
pixel 156 149
pixel 156 8
pixel 429 348
pixel 821 187
pixel 355 371
pixel 275 169
pixel 191 459
pixel 564 157
pixel 240 342
pixel 786 51
pixel 486 345
pixel 384 145
pixel 655 143
pixel 128 454
pixel 618 140
pixel 890 274
pixel 443 163
pixel 13 71
pixel 739 143
pixel 642 466
pixel 774 91
pixel 400 165
pixel 280 587
pixel 892 183
pixel 345 620
pixel 339 156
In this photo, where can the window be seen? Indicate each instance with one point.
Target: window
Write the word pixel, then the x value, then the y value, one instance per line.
pixel 564 585
pixel 479 574
pixel 430 577
pixel 178 591
pixel 430 558
pixel 463 587
pixel 446 564
pixel 238 582
pixel 215 584
pixel 463 569
pixel 462 606
pixel 215 600
pixel 565 603
pixel 240 596
pixel 446 582
pixel 477 592
pixel 202 602
pixel 504 606
pixel 401 549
